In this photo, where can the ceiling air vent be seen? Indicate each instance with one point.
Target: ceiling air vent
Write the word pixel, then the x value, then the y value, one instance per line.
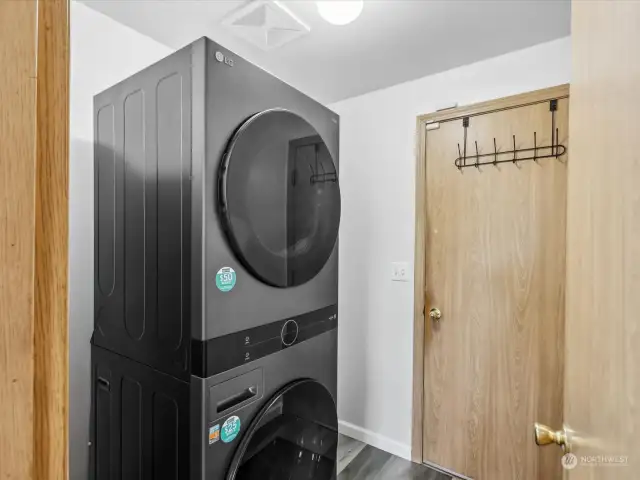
pixel 267 24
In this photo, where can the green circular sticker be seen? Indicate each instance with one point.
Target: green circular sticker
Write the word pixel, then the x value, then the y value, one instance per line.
pixel 230 429
pixel 225 279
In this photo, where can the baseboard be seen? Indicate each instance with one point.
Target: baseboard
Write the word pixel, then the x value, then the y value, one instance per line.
pixel 375 439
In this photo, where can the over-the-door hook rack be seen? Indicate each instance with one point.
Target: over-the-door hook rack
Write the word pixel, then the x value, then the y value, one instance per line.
pixel 317 176
pixel 323 177
pixel 555 150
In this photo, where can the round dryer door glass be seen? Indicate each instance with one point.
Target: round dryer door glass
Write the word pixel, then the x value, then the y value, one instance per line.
pixel 280 198
pixel 294 436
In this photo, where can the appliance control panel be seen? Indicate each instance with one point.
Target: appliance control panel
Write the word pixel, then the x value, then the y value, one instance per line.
pixel 220 354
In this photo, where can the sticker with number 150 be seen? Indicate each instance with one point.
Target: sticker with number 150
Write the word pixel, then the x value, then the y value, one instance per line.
pixel 225 279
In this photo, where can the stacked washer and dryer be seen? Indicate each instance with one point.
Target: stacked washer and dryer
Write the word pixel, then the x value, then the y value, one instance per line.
pixel 214 352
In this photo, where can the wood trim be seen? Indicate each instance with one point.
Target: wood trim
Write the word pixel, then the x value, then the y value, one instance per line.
pixel 17 235
pixel 419 293
pixel 561 91
pixel 528 98
pixel 34 158
pixel 51 348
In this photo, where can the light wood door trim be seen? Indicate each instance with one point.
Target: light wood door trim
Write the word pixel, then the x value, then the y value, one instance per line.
pixel 482 108
pixel 52 242
pixel 538 96
pixel 34 159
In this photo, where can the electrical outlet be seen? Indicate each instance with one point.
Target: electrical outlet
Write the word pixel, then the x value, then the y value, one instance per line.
pixel 400 271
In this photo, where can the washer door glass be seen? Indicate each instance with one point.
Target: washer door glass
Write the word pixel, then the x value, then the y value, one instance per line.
pixel 279 198
pixel 293 437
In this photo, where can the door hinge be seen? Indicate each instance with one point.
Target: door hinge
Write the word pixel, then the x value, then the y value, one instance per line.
pixel 433 125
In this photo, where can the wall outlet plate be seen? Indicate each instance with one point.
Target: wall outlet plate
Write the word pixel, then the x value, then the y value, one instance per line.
pixel 400 272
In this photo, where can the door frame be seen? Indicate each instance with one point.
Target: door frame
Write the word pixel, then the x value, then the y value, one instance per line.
pixel 34 142
pixel 419 317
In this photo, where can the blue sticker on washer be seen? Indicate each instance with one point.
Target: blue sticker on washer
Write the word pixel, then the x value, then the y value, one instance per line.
pixel 225 279
pixel 230 429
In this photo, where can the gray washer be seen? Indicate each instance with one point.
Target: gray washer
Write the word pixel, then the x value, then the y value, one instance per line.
pixel 315 359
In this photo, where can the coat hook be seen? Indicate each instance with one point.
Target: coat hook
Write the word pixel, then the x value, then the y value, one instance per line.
pixel 458 161
pixel 464 155
pixel 553 106
pixel 314 174
pixel 477 157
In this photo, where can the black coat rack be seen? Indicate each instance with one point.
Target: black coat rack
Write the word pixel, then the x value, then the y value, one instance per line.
pixel 319 174
pixel 534 153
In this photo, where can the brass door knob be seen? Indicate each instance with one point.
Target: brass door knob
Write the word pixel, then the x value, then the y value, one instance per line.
pixel 435 314
pixel 546 436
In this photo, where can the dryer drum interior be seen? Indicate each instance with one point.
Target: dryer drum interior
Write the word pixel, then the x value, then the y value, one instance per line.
pixel 279 198
pixel 294 436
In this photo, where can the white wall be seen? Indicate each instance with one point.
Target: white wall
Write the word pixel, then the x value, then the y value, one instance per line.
pixel 103 52
pixel 377 175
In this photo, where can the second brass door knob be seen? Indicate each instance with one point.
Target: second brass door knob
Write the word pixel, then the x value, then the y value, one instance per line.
pixel 435 314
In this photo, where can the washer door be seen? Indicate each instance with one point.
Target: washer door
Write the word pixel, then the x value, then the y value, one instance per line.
pixel 293 437
pixel 279 198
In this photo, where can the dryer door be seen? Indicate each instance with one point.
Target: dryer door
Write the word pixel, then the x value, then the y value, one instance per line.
pixel 294 437
pixel 279 198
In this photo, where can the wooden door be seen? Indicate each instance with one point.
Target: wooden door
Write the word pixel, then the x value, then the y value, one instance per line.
pixel 602 402
pixel 495 268
pixel 34 138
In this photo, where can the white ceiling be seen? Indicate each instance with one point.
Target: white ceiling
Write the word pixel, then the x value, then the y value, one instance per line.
pixel 393 41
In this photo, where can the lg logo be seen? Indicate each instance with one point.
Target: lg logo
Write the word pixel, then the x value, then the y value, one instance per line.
pixel 222 59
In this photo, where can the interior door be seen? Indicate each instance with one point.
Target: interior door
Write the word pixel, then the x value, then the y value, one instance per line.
pixel 603 232
pixel 495 272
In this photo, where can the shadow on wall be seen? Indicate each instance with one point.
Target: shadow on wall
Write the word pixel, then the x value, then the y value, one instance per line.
pixel 354 329
pixel 80 303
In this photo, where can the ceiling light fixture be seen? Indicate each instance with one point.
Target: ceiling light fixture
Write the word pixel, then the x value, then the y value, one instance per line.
pixel 340 12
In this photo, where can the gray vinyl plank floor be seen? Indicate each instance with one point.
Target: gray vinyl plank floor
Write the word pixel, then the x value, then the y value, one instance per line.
pixel 348 449
pixel 370 463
